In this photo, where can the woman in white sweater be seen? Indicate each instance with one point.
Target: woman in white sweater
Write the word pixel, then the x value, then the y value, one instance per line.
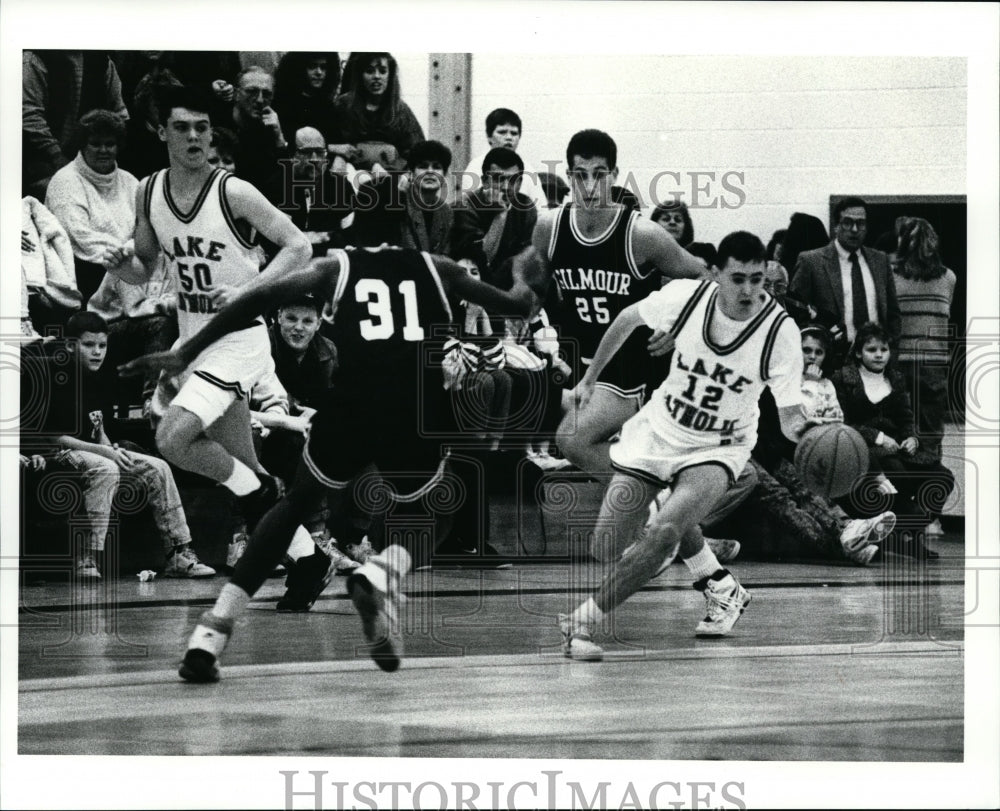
pixel 94 199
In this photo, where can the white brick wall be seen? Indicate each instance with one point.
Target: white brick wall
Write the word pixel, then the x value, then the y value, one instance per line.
pixel 799 128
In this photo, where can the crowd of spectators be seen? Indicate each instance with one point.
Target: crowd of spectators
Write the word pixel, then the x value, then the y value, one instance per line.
pixel 318 137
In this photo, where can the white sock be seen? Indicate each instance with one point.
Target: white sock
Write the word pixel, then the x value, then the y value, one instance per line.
pixel 376 570
pixel 232 602
pixel 587 613
pixel 242 481
pixel 704 564
pixel 302 544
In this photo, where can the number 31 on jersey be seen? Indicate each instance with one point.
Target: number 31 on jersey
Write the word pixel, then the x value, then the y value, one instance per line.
pixel 381 323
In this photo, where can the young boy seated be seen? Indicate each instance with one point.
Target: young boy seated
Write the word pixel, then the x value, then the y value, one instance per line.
pixel 76 426
pixel 503 129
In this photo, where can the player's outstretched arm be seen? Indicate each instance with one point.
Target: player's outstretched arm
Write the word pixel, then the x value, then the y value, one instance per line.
pixel 247 203
pixel 146 250
pixel 793 422
pixel 261 295
pixel 519 300
pixel 613 339
pixel 650 243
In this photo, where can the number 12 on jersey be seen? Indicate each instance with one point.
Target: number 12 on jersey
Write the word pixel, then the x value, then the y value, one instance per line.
pixel 381 324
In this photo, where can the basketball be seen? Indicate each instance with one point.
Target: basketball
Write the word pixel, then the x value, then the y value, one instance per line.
pixel 830 458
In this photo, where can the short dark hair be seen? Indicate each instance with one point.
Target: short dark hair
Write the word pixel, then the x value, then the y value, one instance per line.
pixel 99 123
pixel 85 321
pixel 429 151
pixel 741 246
pixel 305 300
pixel 499 116
pixel 687 235
pixel 503 158
pixel 867 332
pixel 703 250
pixel 846 203
pixel 225 140
pixel 820 333
pixel 592 144
pixel 190 98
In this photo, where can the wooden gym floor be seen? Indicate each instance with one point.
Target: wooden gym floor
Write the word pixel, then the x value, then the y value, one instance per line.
pixel 829 662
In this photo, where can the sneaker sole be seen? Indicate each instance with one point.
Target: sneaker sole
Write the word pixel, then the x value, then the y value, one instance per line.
pixel 199 667
pixel 718 634
pixel 293 607
pixel 373 623
pixel 579 656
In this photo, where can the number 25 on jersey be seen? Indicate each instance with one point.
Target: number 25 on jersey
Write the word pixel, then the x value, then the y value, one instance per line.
pixel 593 310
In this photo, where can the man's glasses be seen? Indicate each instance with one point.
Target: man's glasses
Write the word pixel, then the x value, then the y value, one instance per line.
pixel 850 223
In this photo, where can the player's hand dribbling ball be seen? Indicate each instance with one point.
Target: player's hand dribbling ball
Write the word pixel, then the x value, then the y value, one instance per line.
pixel 830 458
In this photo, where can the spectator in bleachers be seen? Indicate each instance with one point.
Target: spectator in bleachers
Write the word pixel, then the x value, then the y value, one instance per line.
pixel 319 202
pixel 49 294
pixel 256 125
pixel 805 315
pixel 376 128
pixel 875 402
pixel 673 216
pixel 494 223
pixel 503 131
pixel 845 278
pixel 304 360
pixel 804 233
pixel 77 426
pixel 94 199
pixel 305 88
pixel 143 151
pixel 925 289
pixel 429 218
pixel 222 149
pixel 141 318
pixel 203 70
pixel 57 89
pixel 775 248
pixel 782 518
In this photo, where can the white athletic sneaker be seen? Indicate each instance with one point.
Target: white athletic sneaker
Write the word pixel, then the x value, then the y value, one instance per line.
pixel 86 567
pixel 884 524
pixel 208 640
pixel 379 612
pixel 342 564
pixel 184 563
pixel 360 551
pixel 860 534
pixel 724 549
pixel 725 600
pixel 577 641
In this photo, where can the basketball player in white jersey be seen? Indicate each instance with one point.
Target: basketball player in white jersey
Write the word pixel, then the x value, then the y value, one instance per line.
pixel 200 218
pixel 731 339
pixel 605 258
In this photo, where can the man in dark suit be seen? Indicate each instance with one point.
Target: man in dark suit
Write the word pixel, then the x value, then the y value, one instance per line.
pixel 847 279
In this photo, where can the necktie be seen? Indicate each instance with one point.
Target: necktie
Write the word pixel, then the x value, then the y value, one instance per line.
pixel 859 302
